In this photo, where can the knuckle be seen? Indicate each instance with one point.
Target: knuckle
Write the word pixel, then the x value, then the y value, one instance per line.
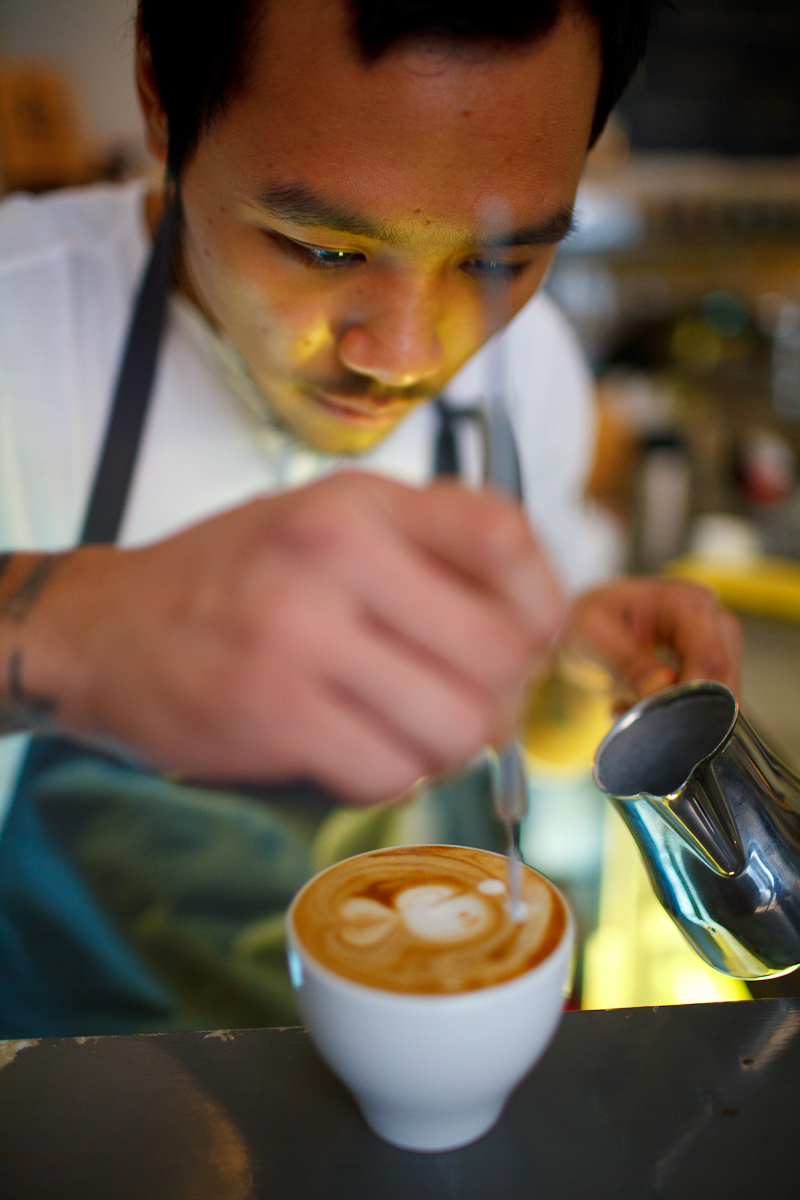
pixel 319 527
pixel 470 726
pixel 506 652
pixel 698 596
pixel 285 618
pixel 501 529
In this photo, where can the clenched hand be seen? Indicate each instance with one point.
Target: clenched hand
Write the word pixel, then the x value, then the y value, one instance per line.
pixel 356 632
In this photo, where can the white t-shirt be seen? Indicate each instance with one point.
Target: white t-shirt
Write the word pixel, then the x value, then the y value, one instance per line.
pixel 70 264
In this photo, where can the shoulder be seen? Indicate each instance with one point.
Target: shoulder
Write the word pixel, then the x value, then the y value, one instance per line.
pixel 69 266
pixel 75 223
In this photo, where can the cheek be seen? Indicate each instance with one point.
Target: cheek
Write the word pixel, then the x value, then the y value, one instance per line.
pixel 462 324
pixel 254 298
pixel 310 335
pixel 264 319
pixel 461 333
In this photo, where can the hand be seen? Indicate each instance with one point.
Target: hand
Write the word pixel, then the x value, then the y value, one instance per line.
pixel 356 632
pixel 623 624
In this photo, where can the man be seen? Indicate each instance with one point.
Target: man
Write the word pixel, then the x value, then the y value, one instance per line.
pixel 349 181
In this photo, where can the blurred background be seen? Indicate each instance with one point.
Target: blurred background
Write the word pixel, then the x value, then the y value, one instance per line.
pixel 683 283
pixel 68 107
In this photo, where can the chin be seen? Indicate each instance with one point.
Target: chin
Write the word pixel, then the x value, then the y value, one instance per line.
pixel 348 442
pixel 331 437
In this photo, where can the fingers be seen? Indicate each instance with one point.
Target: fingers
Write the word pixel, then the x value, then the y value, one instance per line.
pixel 430 713
pixel 454 605
pixel 443 721
pixel 599 628
pixel 705 637
pixel 351 754
pixel 488 539
pixel 628 624
pixel 734 641
pixel 435 649
pixel 654 678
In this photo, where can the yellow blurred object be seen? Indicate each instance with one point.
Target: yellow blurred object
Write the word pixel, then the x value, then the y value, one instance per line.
pixel 568 716
pixel 637 956
pixel 695 347
pixel 767 586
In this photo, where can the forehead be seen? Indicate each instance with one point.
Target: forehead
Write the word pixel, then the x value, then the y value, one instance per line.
pixel 422 138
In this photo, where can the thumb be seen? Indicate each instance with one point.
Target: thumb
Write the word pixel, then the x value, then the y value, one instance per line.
pixel 650 675
pixel 639 676
pixel 601 634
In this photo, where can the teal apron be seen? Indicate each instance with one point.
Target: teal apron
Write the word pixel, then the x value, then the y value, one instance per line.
pixel 131 904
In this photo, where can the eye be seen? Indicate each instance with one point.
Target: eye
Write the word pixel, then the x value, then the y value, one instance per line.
pixel 316 256
pixel 492 268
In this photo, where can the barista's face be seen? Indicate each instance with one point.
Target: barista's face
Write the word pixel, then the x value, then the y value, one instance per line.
pixel 336 213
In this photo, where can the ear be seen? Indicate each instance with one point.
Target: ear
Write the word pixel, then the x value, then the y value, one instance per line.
pixel 156 124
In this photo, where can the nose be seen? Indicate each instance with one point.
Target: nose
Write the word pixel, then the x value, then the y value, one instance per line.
pixel 392 336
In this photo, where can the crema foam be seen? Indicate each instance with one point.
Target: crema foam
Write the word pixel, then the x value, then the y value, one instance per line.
pixel 427 919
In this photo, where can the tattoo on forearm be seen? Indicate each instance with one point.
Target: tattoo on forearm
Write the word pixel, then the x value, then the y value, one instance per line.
pixel 40 705
pixel 18 604
pixel 21 711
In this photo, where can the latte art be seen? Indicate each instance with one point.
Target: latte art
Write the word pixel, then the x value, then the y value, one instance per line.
pixel 435 913
pixel 426 919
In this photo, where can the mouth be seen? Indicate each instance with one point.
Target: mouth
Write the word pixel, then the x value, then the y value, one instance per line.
pixel 360 410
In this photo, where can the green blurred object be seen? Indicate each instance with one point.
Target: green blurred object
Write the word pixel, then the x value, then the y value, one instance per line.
pixel 197 881
pixel 724 314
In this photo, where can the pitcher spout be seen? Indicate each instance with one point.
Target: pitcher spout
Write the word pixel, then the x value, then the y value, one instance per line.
pixel 700 815
pixel 661 756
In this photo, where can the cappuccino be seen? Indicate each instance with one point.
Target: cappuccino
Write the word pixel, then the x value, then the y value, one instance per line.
pixel 427 920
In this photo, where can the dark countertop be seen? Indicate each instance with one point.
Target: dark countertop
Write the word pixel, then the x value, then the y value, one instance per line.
pixel 697 1101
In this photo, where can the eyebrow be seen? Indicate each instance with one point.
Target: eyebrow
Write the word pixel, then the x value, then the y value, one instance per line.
pixel 298 204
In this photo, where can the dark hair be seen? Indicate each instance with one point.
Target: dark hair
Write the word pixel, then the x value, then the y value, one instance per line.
pixel 200 47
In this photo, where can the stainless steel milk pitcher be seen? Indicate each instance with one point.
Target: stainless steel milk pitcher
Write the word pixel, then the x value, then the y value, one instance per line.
pixel 717 818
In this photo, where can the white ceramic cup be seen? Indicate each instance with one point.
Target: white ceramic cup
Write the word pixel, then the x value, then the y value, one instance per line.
pixel 431 1072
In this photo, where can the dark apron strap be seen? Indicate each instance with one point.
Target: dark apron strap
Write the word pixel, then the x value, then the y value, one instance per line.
pixel 446 457
pixel 132 395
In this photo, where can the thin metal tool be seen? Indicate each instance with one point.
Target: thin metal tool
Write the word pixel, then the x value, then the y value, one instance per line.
pixel 502 471
pixel 511 805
